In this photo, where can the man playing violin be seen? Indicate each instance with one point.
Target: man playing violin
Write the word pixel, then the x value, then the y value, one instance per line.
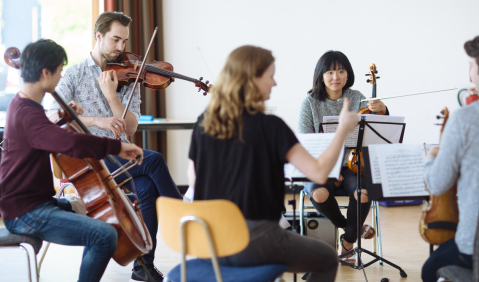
pixel 27 205
pixel 456 161
pixel 97 91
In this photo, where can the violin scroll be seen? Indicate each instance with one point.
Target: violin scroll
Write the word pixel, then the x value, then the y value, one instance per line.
pixel 205 86
pixel 10 55
pixel 372 74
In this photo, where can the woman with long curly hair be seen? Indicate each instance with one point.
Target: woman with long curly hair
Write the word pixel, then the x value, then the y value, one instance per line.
pixel 238 153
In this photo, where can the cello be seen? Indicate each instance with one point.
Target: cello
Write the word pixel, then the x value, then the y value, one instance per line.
pixel 104 199
pixel 439 220
pixel 352 158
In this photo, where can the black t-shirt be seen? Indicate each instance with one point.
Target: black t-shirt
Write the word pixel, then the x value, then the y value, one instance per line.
pixel 249 173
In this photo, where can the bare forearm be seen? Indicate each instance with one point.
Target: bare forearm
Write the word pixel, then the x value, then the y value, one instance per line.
pixel 328 158
pixel 89 121
pixel 130 119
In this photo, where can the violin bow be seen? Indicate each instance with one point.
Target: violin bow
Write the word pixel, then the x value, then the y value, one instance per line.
pixel 404 95
pixel 143 64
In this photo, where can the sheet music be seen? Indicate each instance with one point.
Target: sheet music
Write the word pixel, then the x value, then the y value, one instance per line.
pixel 315 144
pixel 401 167
pixel 374 161
pixel 389 131
pixel 352 137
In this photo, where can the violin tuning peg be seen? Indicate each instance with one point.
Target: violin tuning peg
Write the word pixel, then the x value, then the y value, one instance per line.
pixel 375 71
pixel 368 74
pixel 377 77
pixel 204 93
pixel 368 80
pixel 207 82
pixel 199 89
pixel 201 78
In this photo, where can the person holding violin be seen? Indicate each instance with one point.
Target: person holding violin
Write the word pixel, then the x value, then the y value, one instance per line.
pixel 27 205
pixel 332 80
pixel 104 102
pixel 456 160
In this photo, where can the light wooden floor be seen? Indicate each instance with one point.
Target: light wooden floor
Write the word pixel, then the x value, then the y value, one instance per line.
pixel 402 245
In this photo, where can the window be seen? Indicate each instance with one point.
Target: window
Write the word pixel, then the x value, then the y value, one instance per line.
pixel 67 22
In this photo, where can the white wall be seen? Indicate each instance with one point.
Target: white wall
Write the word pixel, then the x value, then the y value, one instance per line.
pixel 416 46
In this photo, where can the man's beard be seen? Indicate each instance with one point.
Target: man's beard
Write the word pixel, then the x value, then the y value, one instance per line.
pixel 109 55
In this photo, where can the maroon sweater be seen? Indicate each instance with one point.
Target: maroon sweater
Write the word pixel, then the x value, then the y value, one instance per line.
pixel 29 137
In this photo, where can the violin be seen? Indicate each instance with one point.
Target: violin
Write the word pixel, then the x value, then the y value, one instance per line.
pixel 439 220
pixel 103 197
pixel 156 75
pixel 352 158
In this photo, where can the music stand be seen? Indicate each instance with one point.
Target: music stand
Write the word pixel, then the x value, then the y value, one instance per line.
pixel 363 124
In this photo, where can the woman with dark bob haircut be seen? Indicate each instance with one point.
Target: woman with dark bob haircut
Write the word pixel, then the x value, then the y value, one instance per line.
pixel 238 153
pixel 332 80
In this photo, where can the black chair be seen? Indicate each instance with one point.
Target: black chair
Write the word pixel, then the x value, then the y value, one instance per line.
pixel 460 274
pixel 11 247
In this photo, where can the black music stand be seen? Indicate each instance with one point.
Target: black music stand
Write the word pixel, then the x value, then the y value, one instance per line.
pixel 359 146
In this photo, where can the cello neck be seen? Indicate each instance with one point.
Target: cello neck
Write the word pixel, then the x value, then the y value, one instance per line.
pixel 72 113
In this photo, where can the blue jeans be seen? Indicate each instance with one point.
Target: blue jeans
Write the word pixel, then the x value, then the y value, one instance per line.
pixel 50 223
pixel 152 179
pixel 446 254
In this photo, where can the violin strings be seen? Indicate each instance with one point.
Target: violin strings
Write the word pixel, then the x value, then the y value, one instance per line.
pixel 169 73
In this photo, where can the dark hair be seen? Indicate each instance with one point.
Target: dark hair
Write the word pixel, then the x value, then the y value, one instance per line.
pixel 104 21
pixel 472 48
pixel 43 54
pixel 328 61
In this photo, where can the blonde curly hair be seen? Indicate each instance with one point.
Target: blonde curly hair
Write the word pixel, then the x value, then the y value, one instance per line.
pixel 235 92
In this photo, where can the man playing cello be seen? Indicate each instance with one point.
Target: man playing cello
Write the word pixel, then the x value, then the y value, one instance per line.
pixel 26 187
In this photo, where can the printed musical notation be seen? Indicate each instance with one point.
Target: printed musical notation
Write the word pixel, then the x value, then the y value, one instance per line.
pixel 401 169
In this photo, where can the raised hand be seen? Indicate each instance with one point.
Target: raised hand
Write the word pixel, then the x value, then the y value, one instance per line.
pixel 347 120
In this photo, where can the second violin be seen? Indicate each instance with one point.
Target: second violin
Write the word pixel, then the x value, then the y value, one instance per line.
pixel 352 158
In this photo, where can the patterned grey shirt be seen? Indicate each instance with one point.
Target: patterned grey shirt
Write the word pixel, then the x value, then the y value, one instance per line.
pixel 313 110
pixel 80 84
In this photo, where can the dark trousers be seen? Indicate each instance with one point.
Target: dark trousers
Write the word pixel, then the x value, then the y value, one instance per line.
pixel 269 244
pixel 152 179
pixel 330 207
pixel 446 254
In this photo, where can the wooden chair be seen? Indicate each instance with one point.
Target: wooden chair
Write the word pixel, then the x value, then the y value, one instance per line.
pixel 208 229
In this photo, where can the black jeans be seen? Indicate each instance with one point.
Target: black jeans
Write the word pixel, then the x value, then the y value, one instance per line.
pixel 330 207
pixel 446 254
pixel 269 244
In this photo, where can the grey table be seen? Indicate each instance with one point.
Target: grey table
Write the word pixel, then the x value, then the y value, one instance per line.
pixel 160 125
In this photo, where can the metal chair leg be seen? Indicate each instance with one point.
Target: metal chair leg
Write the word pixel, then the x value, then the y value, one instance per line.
pixel 301 213
pixel 378 234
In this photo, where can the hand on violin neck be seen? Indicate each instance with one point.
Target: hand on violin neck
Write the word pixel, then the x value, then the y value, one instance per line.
pixel 433 152
pixel 377 106
pixel 131 152
pixel 76 107
pixel 108 81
